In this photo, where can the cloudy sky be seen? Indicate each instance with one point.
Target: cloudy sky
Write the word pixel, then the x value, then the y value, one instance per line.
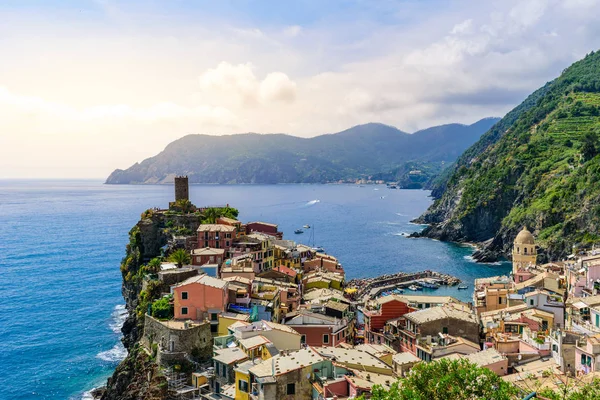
pixel 89 86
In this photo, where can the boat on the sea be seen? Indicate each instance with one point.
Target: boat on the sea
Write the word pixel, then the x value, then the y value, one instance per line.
pixel 429 285
pixel 414 288
pixel 298 231
pixel 306 226
pixel 319 249
pixel 397 291
pixel 463 286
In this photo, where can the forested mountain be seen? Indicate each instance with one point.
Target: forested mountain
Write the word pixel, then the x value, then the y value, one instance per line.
pixel 358 152
pixel 539 166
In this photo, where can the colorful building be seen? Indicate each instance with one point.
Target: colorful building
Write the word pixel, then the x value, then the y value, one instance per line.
pixel 201 297
pixel 216 236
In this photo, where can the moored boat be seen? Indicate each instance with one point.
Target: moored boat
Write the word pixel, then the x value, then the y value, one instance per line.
pixel 298 231
pixel 463 286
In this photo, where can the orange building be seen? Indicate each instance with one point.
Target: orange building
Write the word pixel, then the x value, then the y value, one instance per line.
pixel 200 297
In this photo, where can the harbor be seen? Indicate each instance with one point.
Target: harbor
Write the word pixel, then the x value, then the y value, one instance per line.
pixel 365 289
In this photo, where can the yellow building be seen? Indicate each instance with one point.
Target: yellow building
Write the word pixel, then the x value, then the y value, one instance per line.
pixel 227 319
pixel 524 252
pixel 242 380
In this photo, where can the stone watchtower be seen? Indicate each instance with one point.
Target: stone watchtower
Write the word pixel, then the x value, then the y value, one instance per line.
pixel 182 188
pixel 524 252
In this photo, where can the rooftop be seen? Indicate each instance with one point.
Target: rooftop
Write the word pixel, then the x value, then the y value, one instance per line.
pixel 286 362
pixel 405 358
pixel 351 356
pixel 215 228
pixel 263 223
pixel 208 251
pixel 204 280
pixel 253 342
pixel 230 355
pixel 286 270
pixel 366 380
pixel 337 305
pixel 435 313
pixel 485 357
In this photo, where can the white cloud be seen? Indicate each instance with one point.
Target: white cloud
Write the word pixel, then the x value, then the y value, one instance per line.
pixel 229 83
pixel 464 27
pixel 277 86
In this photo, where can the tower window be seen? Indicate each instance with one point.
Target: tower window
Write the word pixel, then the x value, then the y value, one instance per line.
pixel 525 250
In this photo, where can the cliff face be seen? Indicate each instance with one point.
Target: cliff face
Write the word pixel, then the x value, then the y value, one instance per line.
pixel 137 376
pixel 537 167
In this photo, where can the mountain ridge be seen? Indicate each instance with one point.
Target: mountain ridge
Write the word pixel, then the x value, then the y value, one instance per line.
pixel 537 167
pixel 359 151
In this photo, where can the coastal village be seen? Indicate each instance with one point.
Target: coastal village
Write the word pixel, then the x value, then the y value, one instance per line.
pixel 253 315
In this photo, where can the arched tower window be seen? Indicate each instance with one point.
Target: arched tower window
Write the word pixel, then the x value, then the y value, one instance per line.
pixel 518 250
pixel 524 250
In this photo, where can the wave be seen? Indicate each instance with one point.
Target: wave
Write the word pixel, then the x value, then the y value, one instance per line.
pixel 414 223
pixel 312 202
pixel 116 354
pixel 119 315
pixel 404 234
pixel 401 215
pixel 471 259
pixel 87 395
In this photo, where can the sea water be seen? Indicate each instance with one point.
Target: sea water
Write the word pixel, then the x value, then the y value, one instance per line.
pixel 61 244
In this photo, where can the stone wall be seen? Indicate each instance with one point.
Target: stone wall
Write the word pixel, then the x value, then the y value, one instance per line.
pixel 173 337
pixel 174 276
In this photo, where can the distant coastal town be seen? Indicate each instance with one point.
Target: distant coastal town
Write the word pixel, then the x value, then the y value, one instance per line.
pixel 232 310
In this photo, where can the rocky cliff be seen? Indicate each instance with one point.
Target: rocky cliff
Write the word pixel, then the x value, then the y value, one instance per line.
pixel 538 166
pixel 137 377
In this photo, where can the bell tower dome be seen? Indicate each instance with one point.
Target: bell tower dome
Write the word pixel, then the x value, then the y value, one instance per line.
pixel 524 252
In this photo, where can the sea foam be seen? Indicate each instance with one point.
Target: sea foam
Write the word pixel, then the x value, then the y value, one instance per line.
pixel 116 354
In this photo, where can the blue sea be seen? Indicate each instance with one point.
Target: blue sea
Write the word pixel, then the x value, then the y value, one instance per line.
pixel 62 241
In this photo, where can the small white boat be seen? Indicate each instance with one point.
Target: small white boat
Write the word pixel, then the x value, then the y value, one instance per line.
pixel 463 286
pixel 319 249
pixel 414 288
pixel 306 226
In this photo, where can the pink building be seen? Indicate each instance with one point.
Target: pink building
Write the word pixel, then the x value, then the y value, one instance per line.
pixel 217 236
pixel 200 297
pixel 587 355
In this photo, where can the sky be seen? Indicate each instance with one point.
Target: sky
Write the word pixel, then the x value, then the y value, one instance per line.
pixel 90 86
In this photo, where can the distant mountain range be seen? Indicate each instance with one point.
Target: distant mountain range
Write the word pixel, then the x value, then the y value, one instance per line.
pixel 358 152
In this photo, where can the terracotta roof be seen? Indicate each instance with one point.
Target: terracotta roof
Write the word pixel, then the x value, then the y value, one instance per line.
pixel 286 270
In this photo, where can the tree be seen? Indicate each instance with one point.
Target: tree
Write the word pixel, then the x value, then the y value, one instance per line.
pixel 211 214
pixel 154 265
pixel 180 257
pixel 445 379
pixel 573 389
pixel 588 148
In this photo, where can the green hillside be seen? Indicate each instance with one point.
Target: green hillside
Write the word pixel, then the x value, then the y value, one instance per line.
pixel 358 152
pixel 540 169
